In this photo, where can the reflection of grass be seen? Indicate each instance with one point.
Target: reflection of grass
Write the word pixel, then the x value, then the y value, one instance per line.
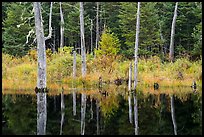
pixel 22 72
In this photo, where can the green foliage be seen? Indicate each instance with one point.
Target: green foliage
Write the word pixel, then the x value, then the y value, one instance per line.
pixel 15 28
pixel 109 44
pixel 197 35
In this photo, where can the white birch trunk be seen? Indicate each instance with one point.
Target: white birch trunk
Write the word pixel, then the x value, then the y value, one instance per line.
pixel 171 49
pixel 83 50
pixel 61 28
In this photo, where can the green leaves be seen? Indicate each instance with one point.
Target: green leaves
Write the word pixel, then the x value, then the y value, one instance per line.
pixel 109 44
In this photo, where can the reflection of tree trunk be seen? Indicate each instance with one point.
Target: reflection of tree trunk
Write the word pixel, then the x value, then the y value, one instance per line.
pixel 91 109
pixel 74 102
pixel 162 100
pixel 135 113
pixel 97 117
pixel 62 111
pixel 130 107
pixel 55 103
pixel 173 115
pixel 129 90
pixel 74 75
pixel 83 112
pixel 41 113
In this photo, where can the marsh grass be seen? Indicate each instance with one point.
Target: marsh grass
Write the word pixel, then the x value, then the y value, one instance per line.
pixel 21 72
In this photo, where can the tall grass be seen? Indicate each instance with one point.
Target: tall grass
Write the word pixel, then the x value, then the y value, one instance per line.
pixel 23 71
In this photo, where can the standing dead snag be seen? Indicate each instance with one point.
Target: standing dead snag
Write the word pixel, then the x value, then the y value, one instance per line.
pixel 83 56
pixel 171 53
pixel 41 76
pixel 83 49
pixel 97 25
pixel 136 45
pixel 130 94
pixel 61 27
pixel 135 70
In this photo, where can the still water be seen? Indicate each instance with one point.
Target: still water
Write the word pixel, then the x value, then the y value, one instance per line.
pixel 105 113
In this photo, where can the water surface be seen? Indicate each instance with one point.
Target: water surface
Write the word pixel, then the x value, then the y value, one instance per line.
pixel 105 113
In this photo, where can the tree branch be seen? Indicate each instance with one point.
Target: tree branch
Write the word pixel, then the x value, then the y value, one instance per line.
pixel 50 21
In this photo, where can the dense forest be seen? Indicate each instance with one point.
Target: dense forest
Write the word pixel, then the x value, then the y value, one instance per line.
pixel 118 17
pixel 109 36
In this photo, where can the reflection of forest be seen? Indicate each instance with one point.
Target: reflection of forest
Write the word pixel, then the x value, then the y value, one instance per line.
pixel 107 112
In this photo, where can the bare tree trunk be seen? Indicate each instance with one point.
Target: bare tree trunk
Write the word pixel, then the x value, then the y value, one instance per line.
pixel 83 50
pixel 50 26
pixel 171 53
pixel 41 78
pixel 162 38
pixel 91 37
pixel 74 65
pixel 61 28
pixel 173 115
pixel 97 25
pixel 136 45
pixel 129 90
pixel 53 48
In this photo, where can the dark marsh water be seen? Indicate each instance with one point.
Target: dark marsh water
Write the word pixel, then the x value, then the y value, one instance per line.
pixel 105 114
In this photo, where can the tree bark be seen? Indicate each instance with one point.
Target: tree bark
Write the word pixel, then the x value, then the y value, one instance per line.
pixel 83 50
pixel 171 53
pixel 41 77
pixel 91 37
pixel 129 90
pixel 136 45
pixel 41 80
pixel 97 25
pixel 50 26
pixel 61 28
